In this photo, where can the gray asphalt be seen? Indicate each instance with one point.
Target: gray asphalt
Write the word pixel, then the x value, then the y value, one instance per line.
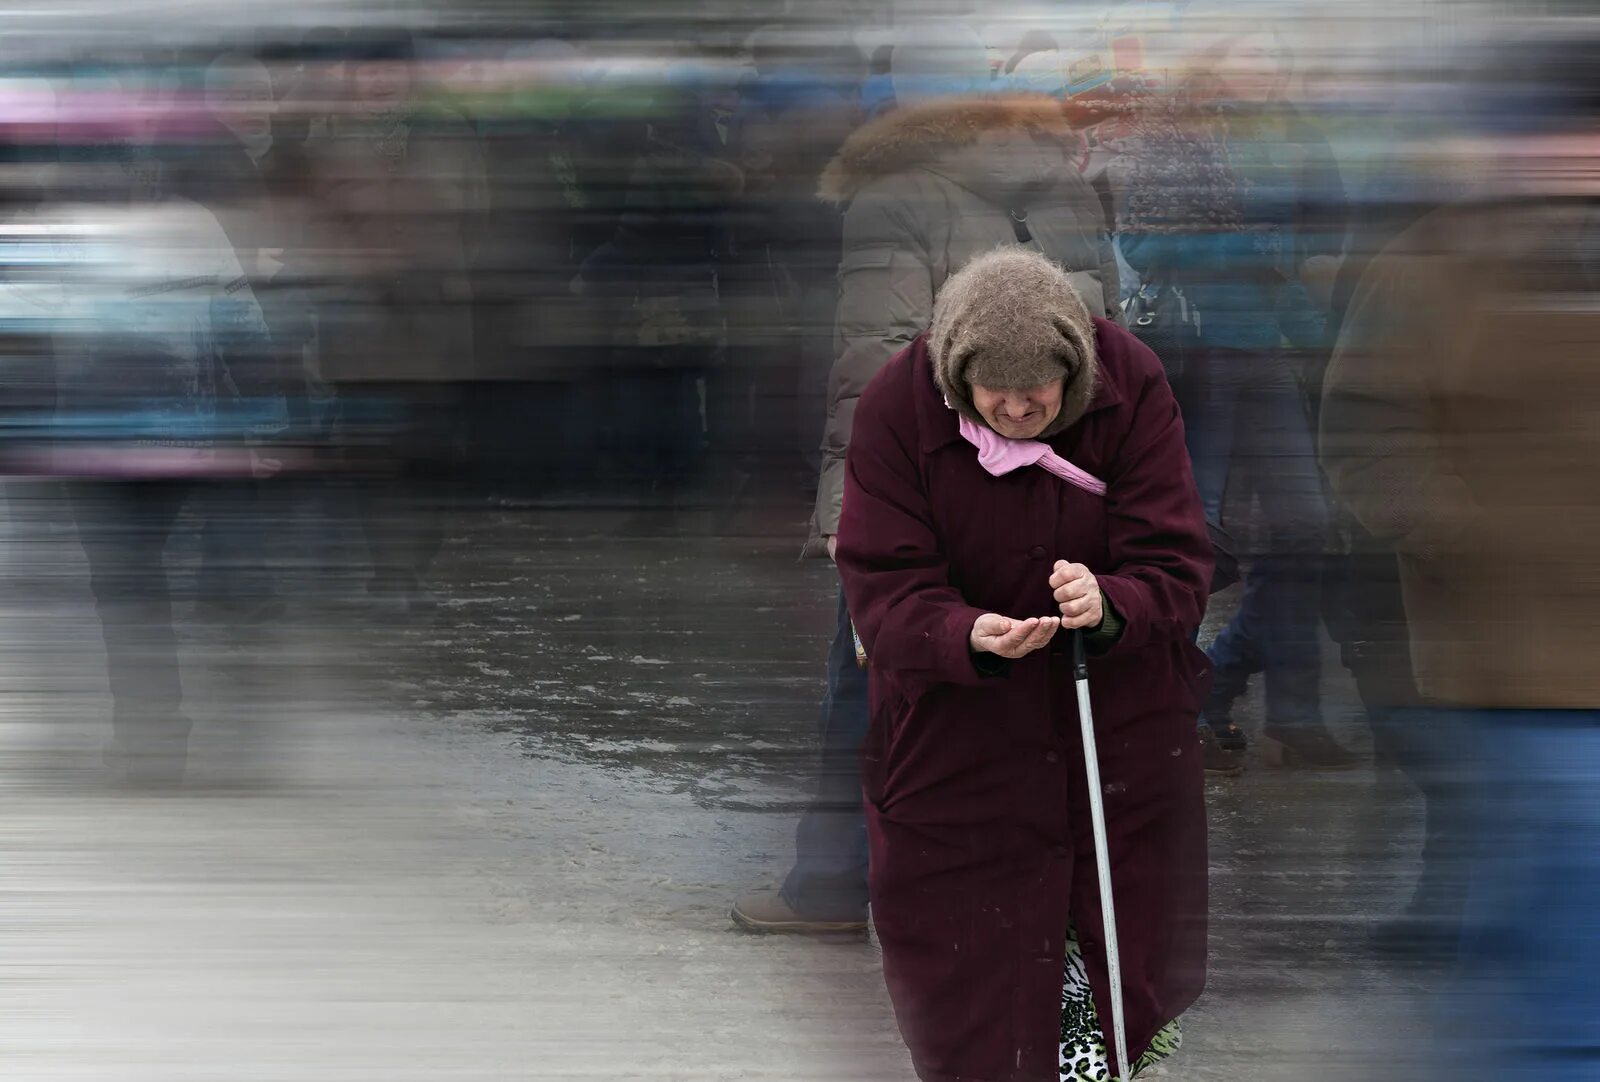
pixel 502 844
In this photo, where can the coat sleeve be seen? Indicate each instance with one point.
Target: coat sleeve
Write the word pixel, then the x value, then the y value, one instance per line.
pixel 1378 446
pixel 885 301
pixel 1160 551
pixel 915 625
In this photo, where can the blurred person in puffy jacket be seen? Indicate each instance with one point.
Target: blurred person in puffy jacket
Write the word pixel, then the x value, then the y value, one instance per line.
pixel 1224 192
pixel 925 189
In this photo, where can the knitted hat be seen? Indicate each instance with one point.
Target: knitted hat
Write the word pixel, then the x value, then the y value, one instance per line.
pixel 1010 321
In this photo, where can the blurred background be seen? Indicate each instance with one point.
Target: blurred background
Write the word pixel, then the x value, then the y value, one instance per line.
pixel 411 417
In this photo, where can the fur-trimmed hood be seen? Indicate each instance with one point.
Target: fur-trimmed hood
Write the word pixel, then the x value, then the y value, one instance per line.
pixel 990 145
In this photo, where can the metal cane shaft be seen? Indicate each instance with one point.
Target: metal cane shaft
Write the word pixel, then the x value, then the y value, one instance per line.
pixel 1102 855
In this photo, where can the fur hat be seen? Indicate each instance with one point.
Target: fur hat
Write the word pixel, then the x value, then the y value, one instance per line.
pixel 1010 320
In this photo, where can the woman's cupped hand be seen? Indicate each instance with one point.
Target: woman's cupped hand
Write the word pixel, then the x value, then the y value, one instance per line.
pixel 996 634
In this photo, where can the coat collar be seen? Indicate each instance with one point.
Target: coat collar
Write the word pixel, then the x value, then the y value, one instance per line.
pixel 939 426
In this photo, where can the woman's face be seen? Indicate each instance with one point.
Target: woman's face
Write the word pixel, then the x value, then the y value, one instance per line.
pixel 1019 415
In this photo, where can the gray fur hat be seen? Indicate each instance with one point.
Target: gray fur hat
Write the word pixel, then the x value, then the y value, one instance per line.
pixel 1010 320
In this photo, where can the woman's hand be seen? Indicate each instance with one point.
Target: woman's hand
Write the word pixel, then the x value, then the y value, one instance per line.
pixel 995 634
pixel 1078 595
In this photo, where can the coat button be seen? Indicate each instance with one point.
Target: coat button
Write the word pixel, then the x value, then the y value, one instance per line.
pixel 1052 757
pixel 1037 552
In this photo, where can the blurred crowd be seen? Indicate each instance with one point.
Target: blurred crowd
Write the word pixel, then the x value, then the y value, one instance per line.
pixel 539 267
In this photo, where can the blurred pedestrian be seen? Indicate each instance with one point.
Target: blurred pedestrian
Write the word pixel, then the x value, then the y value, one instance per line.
pixel 925 189
pixel 794 114
pixel 399 193
pixel 1364 611
pixel 1018 476
pixel 1460 424
pixel 1225 193
pixel 661 272
pixel 255 185
pixel 167 394
pixel 538 356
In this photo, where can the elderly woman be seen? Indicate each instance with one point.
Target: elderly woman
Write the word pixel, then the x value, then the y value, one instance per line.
pixel 1018 475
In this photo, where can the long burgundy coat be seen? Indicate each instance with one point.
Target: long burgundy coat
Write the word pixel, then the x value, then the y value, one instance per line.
pixel 981 845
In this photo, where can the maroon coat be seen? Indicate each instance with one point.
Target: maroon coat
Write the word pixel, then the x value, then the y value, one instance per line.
pixel 976 805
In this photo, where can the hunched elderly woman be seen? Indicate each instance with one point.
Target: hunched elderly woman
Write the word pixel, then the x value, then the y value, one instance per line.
pixel 1018 474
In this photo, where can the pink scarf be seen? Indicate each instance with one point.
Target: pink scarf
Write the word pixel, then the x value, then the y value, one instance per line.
pixel 1000 456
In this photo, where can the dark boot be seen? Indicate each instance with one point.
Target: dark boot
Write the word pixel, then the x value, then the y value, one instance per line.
pixel 1222 742
pixel 1223 750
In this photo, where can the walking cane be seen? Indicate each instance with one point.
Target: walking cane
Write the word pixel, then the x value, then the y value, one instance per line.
pixel 1102 853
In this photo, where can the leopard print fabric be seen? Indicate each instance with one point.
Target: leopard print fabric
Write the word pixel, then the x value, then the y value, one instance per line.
pixel 1083 1045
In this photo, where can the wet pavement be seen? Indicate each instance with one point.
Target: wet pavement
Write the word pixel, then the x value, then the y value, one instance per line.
pixel 502 844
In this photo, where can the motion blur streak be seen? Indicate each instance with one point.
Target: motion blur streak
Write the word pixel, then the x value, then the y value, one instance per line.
pixel 410 417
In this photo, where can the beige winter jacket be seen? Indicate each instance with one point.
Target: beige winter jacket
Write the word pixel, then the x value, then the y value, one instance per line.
pixel 925 190
pixel 1461 423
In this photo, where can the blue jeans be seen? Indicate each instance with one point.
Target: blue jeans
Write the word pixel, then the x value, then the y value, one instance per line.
pixel 1526 1003
pixel 829 878
pixel 1249 433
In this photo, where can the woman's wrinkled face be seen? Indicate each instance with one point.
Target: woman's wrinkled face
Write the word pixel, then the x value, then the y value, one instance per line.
pixel 1019 415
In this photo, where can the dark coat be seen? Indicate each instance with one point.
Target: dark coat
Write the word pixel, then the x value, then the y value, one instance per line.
pixel 981 847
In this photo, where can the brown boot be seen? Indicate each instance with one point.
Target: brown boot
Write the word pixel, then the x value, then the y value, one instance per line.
pixel 1222 757
pixel 766 912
